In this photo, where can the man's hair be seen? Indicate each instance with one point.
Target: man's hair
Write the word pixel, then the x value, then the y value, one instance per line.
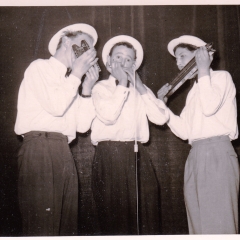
pixel 190 47
pixel 126 44
pixel 71 35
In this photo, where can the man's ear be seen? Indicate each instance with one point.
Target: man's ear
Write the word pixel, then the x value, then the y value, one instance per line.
pixel 108 60
pixel 211 56
pixel 108 64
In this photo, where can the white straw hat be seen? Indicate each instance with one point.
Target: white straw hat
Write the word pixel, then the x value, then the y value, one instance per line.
pixel 188 39
pixel 85 28
pixel 123 38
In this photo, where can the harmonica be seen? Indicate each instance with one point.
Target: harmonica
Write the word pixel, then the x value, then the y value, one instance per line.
pixel 78 51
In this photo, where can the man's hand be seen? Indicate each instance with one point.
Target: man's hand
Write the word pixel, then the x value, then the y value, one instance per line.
pixel 139 85
pixel 203 60
pixel 118 72
pixel 92 76
pixel 163 91
pixel 82 64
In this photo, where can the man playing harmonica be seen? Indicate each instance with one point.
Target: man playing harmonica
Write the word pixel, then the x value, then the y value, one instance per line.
pixel 209 122
pixel 122 116
pixel 50 111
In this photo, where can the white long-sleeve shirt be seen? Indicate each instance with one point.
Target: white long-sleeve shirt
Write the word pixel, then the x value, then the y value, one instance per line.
pixel 119 113
pixel 210 109
pixel 49 101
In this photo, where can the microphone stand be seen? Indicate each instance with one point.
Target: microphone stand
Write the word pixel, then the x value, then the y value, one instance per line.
pixel 136 150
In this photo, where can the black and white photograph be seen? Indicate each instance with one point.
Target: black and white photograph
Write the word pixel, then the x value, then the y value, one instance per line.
pixel 119 119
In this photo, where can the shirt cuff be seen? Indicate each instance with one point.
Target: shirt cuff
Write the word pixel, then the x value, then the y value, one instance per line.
pixel 72 83
pixel 163 106
pixel 149 99
pixel 170 114
pixel 149 96
pixel 86 99
pixel 146 97
pixel 121 90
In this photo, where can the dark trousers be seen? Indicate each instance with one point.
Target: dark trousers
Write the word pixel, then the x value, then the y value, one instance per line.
pixel 114 190
pixel 48 185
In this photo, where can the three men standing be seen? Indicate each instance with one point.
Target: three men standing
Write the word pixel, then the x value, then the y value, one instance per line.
pixel 125 188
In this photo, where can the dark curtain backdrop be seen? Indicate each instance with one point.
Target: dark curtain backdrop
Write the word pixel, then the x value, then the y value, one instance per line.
pixel 24 36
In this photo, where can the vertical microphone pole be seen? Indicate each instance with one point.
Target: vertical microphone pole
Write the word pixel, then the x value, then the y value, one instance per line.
pixel 136 150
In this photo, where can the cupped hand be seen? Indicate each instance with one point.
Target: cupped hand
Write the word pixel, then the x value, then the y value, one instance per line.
pixel 203 61
pixel 118 72
pixel 92 75
pixel 82 64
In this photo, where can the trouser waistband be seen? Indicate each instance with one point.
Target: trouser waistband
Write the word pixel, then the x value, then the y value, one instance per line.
pixel 55 135
pixel 210 140
pixel 117 143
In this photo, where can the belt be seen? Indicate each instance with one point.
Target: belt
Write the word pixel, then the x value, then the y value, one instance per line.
pixel 55 135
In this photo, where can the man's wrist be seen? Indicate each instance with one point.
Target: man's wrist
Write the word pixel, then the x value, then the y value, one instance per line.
pixel 86 91
pixel 202 73
pixel 74 73
pixel 87 87
pixel 123 81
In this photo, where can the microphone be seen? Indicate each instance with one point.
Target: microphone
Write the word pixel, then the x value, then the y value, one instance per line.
pixel 78 51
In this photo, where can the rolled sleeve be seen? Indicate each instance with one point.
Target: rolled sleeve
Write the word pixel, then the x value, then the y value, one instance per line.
pixel 213 92
pixel 85 114
pixel 109 105
pixel 177 124
pixel 155 108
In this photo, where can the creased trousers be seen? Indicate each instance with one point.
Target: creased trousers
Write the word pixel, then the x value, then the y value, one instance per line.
pixel 47 185
pixel 114 190
pixel 211 187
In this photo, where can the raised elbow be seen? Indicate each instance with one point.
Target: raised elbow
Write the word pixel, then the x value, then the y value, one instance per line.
pixel 56 110
pixel 83 129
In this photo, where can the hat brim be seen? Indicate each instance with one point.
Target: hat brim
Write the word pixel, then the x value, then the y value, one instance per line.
pixel 123 38
pixel 85 28
pixel 188 39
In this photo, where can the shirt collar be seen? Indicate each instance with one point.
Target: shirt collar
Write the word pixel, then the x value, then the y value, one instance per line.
pixel 58 66
pixel 111 78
